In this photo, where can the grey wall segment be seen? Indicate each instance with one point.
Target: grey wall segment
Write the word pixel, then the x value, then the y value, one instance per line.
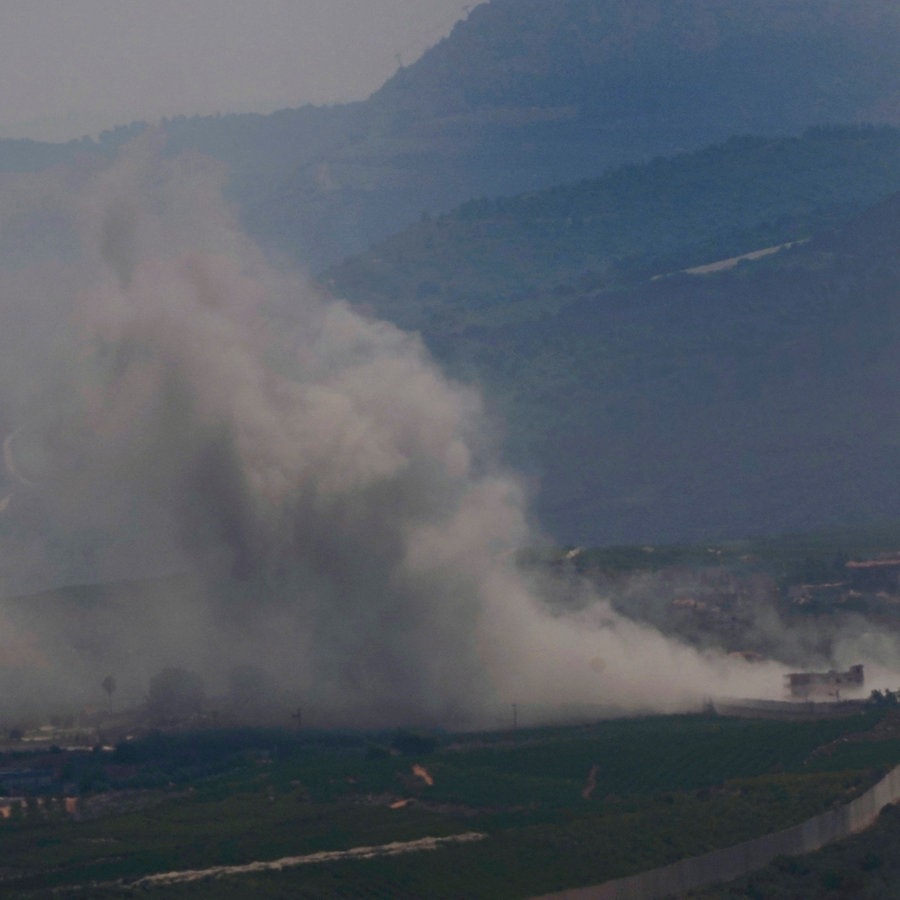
pixel 733 862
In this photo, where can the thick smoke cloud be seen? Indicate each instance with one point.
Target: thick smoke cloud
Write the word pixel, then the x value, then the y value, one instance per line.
pixel 174 404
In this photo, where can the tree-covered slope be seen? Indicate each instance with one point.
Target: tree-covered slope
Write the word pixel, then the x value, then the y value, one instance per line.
pixel 525 94
pixel 755 400
pixel 491 258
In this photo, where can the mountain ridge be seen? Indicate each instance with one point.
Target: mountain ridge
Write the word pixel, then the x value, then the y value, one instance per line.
pixel 510 101
pixel 489 256
pixel 523 95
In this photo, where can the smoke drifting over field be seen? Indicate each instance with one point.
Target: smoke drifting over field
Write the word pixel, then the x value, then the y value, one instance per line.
pixel 172 402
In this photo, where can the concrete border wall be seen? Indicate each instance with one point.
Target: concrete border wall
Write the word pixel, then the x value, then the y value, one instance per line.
pixel 733 862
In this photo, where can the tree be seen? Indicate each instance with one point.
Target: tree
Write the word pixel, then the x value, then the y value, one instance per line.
pixel 109 685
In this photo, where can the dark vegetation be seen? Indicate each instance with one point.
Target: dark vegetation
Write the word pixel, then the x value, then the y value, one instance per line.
pixel 526 95
pixel 559 806
pixel 522 257
pixel 751 401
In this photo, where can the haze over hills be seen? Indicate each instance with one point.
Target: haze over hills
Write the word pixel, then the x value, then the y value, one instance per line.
pixel 526 94
pixel 515 257
pixel 175 403
pixel 172 401
pixel 214 469
pixel 514 292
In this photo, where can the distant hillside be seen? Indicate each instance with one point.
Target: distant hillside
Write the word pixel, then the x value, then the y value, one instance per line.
pixel 759 399
pixel 493 259
pixel 525 94
pixel 755 400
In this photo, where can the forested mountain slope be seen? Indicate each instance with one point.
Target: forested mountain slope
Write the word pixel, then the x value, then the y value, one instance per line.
pixel 752 400
pixel 492 259
pixel 755 400
pixel 525 94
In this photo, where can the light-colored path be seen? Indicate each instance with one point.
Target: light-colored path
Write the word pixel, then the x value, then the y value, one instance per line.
pixel 723 264
pixel 289 862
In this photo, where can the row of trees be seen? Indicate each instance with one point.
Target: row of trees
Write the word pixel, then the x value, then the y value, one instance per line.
pixel 885 697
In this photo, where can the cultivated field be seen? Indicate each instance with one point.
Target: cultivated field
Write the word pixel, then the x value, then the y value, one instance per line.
pixel 514 814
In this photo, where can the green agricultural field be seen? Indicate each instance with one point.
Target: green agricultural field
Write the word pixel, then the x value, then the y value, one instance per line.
pixel 543 809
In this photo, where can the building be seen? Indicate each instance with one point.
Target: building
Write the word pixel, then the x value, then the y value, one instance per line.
pixel 824 685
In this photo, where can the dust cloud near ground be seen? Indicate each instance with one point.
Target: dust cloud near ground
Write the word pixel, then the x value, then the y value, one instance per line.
pixel 333 507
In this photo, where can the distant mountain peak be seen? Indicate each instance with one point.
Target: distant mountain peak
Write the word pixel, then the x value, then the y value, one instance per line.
pixel 515 49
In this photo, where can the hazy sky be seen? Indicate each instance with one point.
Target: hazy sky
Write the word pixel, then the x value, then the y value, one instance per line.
pixel 74 67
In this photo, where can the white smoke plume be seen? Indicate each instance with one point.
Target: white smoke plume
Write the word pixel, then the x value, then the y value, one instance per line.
pixel 172 403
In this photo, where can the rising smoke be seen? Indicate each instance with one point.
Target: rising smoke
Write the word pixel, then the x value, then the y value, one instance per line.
pixel 172 403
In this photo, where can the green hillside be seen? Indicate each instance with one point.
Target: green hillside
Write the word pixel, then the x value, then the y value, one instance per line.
pixel 751 401
pixel 754 400
pixel 518 257
pixel 526 94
